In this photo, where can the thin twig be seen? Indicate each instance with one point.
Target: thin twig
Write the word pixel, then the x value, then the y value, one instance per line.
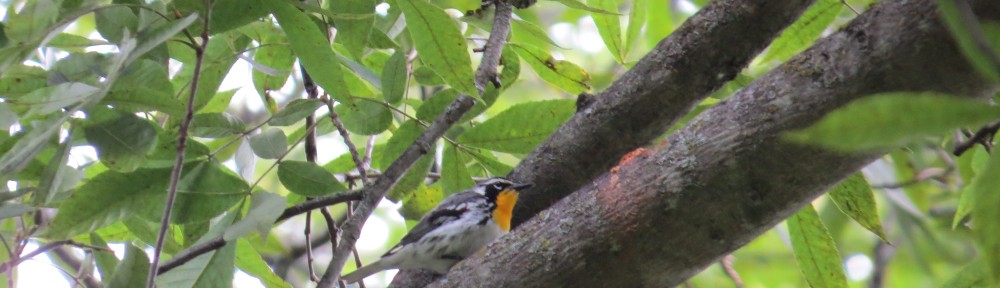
pixel 369 148
pixel 355 156
pixel 727 265
pixel 309 255
pixel 218 242
pixel 312 92
pixel 41 249
pixel 175 173
pixel 486 73
pixel 83 276
pixel 984 136
pixel 10 272
pixel 926 174
pixel 856 13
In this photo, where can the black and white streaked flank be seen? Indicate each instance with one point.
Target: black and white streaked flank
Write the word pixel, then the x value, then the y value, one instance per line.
pixel 457 227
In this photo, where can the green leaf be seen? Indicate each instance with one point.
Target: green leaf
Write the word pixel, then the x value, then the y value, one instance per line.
pixel 518 26
pixel 434 106
pixel 454 172
pixel 204 191
pixel 250 261
pixel 511 68
pixel 485 159
pixel 980 57
pixel 220 55
pixel 216 125
pixel 394 76
pixel 52 99
pixel 975 275
pixel 965 204
pixel 425 76
pixel 519 128
pixel 985 192
pixel 112 22
pixel 609 27
pixel 353 29
pixel 563 74
pixel 854 197
pixel 165 152
pixel 440 44
pixel 23 151
pixel 152 38
pixel 344 163
pixel 295 111
pixel 801 34
pixel 815 250
pixel 579 5
pixel 307 179
pixel 122 140
pixel 67 41
pixel 146 231
pixel 132 270
pixel 874 122
pixel 269 144
pixel 401 139
pixel 365 117
pixel 636 19
pixel 414 178
pixel 145 86
pixel 273 52
pixel 219 102
pixel 265 207
pixel 231 14
pixel 10 210
pixel 421 201
pixel 313 49
pixel 20 80
pixel 106 260
pixel 212 269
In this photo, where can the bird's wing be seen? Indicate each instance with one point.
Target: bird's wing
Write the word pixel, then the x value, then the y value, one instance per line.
pixel 443 213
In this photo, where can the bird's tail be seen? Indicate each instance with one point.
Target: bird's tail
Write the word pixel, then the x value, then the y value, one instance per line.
pixel 365 271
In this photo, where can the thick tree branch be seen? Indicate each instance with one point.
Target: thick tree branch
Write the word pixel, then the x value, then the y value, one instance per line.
pixel 664 214
pixel 708 50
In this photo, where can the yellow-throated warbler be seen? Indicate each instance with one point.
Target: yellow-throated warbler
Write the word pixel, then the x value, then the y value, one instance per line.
pixel 459 226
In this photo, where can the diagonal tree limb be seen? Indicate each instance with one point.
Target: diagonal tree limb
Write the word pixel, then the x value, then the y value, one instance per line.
pixel 351 229
pixel 708 50
pixel 683 69
pixel 664 214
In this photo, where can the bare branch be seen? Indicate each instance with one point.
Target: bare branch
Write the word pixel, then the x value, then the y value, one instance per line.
pixel 983 136
pixel 175 173
pixel 202 248
pixel 41 249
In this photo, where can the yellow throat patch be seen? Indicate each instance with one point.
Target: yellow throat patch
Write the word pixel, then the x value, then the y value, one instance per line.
pixel 505 208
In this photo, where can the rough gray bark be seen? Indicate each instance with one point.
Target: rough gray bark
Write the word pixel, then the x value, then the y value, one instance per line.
pixel 664 214
pixel 708 50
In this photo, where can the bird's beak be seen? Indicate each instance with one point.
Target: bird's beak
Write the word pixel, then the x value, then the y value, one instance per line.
pixel 519 187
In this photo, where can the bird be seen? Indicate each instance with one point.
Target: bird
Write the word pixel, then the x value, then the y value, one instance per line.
pixel 460 225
